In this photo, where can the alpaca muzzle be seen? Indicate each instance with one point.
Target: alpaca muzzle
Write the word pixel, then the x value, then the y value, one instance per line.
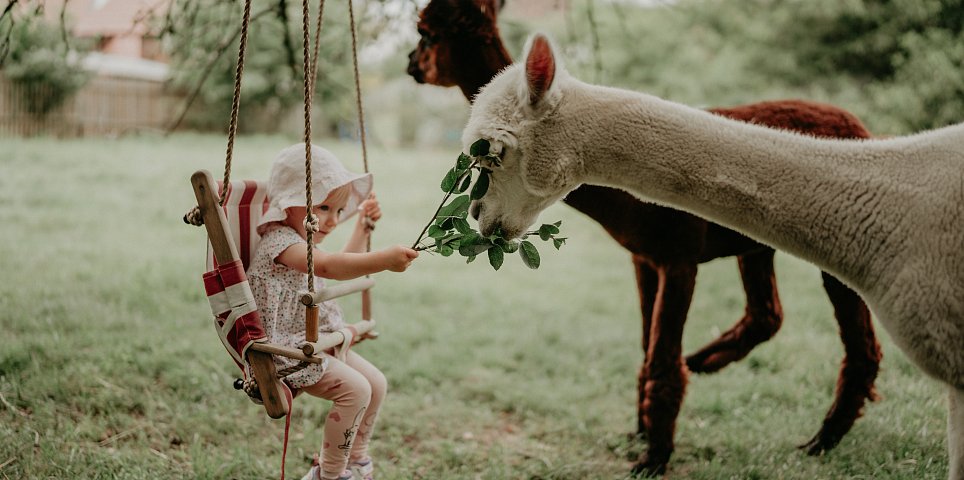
pixel 413 70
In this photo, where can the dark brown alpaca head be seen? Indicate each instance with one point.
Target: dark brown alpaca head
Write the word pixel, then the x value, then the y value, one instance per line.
pixel 460 45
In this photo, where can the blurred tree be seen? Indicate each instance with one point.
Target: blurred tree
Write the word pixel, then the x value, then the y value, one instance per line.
pixel 202 37
pixel 38 55
pixel 898 64
pixel 908 54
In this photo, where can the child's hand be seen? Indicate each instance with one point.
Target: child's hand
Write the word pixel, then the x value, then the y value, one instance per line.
pixel 399 257
pixel 369 212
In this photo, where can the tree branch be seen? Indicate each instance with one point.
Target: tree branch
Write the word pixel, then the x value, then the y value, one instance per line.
pixel 5 46
pixel 210 68
pixel 63 27
pixel 286 39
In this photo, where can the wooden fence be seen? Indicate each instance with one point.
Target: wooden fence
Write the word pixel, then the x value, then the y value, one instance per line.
pixel 103 106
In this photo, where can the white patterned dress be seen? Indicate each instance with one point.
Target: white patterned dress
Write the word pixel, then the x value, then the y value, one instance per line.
pixel 275 288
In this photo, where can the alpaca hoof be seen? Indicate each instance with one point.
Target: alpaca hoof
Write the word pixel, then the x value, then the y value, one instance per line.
pixel 651 466
pixel 821 443
pixel 708 362
pixel 696 363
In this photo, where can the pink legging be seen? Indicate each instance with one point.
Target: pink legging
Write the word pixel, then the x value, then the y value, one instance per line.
pixel 357 389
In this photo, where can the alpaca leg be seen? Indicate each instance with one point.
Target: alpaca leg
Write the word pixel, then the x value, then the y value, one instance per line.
pixel 664 371
pixel 855 384
pixel 761 320
pixel 955 433
pixel 647 281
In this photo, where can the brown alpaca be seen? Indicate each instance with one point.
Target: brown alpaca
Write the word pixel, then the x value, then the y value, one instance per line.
pixel 460 46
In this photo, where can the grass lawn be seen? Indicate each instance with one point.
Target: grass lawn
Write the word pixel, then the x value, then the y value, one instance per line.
pixel 109 367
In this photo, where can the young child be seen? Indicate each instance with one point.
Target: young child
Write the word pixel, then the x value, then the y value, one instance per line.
pixel 278 272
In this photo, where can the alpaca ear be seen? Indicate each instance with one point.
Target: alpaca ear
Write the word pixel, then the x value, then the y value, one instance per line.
pixel 540 68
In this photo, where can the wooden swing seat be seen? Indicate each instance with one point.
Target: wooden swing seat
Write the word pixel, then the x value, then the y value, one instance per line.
pixel 240 331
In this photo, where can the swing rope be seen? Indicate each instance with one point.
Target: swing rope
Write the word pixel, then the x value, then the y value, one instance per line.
pixel 366 299
pixel 311 221
pixel 310 65
pixel 235 102
pixel 358 99
pixel 193 216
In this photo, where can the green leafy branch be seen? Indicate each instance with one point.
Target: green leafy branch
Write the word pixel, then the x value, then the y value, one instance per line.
pixel 449 227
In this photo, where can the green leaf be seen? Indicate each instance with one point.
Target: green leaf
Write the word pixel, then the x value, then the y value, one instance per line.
pixel 465 184
pixel 481 185
pixel 448 183
pixel 435 232
pixel 454 243
pixel 558 242
pixel 529 254
pixel 509 247
pixel 445 223
pixel 470 259
pixel 473 249
pixel 463 162
pixel 557 224
pixel 496 257
pixel 473 245
pixel 479 148
pixel 547 230
pixel 458 207
pixel 462 225
pixel 446 250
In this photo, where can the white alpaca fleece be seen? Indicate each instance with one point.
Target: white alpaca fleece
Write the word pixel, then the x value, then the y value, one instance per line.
pixel 551 179
pixel 885 216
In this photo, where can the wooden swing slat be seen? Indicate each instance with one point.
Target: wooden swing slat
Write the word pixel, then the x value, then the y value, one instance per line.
pixel 311 323
pixel 293 353
pixel 331 340
pixel 339 290
pixel 366 306
pixel 325 341
pixel 262 366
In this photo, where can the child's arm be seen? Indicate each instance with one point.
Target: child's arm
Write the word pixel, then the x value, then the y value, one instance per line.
pixel 345 266
pixel 367 210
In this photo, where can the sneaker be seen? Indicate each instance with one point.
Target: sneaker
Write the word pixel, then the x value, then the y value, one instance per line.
pixel 315 474
pixel 363 469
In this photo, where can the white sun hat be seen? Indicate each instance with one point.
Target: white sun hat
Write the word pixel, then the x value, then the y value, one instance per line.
pixel 286 186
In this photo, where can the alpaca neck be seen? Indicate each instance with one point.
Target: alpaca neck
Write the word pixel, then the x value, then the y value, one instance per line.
pixel 477 61
pixel 825 201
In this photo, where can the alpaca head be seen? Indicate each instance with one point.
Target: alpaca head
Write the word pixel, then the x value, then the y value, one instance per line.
pixel 537 167
pixel 446 26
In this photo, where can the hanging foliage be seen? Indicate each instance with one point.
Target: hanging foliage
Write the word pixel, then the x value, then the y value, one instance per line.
pixel 450 230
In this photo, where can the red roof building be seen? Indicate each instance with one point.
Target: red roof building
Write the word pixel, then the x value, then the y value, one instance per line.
pixel 119 26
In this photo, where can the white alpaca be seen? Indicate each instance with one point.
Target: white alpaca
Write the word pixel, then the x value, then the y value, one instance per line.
pixel 885 216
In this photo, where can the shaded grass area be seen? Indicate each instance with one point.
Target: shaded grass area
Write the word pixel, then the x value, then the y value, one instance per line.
pixel 109 367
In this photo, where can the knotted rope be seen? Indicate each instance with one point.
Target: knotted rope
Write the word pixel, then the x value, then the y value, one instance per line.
pixel 311 221
pixel 193 216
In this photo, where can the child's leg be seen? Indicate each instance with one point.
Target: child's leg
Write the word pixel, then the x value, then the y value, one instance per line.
pixel 351 393
pixel 379 386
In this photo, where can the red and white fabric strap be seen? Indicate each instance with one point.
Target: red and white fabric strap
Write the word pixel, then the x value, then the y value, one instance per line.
pixel 235 312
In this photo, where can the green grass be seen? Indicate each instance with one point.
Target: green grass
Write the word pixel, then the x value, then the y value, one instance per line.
pixel 111 365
